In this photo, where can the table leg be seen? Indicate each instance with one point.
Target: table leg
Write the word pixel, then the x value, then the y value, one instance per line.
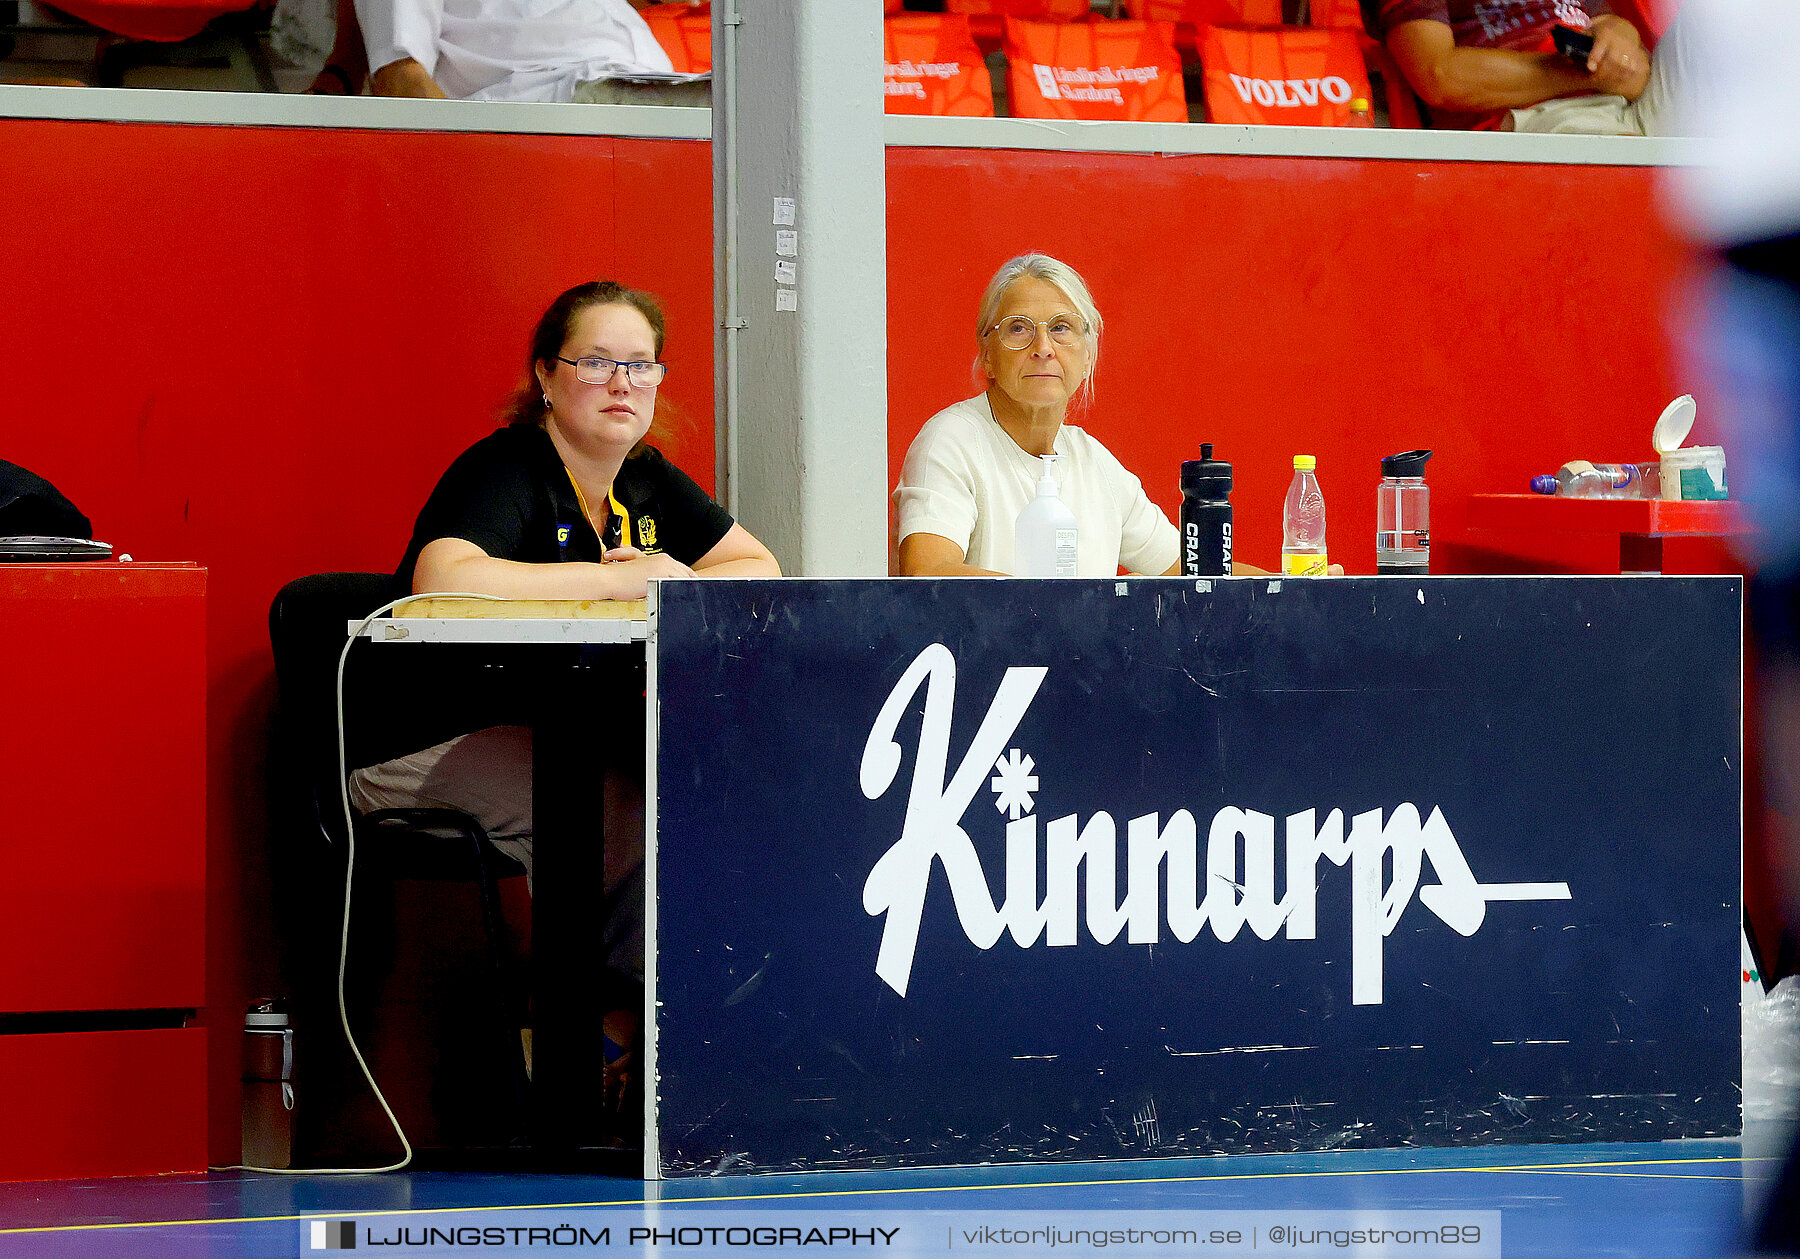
pixel 1640 553
pixel 569 822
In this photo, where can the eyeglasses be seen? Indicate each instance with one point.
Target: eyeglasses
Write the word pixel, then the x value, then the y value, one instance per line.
pixel 1017 332
pixel 594 370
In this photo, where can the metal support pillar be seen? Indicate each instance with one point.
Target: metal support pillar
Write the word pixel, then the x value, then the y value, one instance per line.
pixel 800 265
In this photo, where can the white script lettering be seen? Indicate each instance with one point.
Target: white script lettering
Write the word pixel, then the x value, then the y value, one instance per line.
pixel 1290 93
pixel 1161 858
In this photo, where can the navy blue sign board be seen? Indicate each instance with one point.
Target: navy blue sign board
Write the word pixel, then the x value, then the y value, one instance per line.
pixel 968 871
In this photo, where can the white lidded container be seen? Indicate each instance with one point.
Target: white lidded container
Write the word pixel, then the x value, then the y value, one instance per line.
pixel 1688 472
pixel 1044 536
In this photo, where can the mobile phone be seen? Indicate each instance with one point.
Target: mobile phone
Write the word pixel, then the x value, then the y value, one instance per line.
pixel 1573 44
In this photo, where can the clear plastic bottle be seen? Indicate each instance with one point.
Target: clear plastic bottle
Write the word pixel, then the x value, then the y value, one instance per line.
pixel 1581 479
pixel 1403 515
pixel 1044 536
pixel 1360 114
pixel 1303 523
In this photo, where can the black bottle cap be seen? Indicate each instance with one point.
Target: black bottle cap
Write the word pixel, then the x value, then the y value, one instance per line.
pixel 1406 463
pixel 1206 476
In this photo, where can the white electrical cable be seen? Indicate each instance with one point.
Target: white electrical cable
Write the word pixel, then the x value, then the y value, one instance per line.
pixel 344 934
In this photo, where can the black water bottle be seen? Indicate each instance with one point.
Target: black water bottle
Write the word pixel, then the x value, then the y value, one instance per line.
pixel 1205 516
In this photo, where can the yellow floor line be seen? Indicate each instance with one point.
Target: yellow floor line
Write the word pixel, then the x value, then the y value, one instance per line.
pixel 1564 1168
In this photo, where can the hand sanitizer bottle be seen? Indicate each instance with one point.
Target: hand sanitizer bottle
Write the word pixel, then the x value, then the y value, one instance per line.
pixel 1044 537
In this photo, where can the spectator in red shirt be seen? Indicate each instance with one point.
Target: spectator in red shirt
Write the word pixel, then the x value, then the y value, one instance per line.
pixel 1491 65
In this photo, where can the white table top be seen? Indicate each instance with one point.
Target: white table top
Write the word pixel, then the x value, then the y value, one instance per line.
pixel 511 621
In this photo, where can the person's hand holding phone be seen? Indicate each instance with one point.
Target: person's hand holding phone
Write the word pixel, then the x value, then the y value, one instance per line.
pixel 1615 56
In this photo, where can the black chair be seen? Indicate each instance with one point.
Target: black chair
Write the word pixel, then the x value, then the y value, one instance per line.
pixel 397 699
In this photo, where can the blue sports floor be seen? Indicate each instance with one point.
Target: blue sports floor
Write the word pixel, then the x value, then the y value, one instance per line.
pixel 1657 1199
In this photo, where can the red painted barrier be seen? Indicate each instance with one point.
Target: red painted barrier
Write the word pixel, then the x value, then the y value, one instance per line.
pixel 75 1105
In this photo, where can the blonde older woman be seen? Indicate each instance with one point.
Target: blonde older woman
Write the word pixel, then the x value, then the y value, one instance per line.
pixel 975 465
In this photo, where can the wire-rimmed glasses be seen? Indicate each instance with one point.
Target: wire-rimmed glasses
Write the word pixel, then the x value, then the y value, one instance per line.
pixel 1015 332
pixel 592 369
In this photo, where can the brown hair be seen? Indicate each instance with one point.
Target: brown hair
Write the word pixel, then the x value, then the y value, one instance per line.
pixel 553 328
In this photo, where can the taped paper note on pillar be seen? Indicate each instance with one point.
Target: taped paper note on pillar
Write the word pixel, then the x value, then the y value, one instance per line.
pixel 784 211
pixel 787 244
pixel 786 271
pixel 787 299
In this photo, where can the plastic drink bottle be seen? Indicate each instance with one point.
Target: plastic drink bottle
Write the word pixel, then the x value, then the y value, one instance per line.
pixel 1044 537
pixel 1205 516
pixel 1403 515
pixel 1581 479
pixel 1360 115
pixel 268 1075
pixel 1303 523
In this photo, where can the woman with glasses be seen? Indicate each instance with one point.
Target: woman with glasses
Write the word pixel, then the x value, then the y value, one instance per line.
pixel 975 465
pixel 569 500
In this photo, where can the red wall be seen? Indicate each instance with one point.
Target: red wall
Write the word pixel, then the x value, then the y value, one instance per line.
pixel 257 349
pixel 87 1104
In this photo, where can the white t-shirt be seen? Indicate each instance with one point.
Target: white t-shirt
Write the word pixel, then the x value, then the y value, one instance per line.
pixel 513 50
pixel 966 480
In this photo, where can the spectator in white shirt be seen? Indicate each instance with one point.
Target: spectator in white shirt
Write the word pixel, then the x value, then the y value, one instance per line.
pixel 591 51
pixel 975 465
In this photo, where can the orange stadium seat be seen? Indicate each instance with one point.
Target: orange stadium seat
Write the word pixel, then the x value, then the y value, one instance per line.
pixel 985 16
pixel 1290 76
pixel 1403 106
pixel 933 67
pixel 1337 13
pixel 1207 12
pixel 892 6
pixel 1094 70
pixel 1190 15
pixel 685 33
pixel 1033 10
pixel 156 20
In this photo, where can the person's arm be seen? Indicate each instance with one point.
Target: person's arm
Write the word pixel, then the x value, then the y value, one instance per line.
pixel 447 564
pixel 1475 80
pixel 401 40
pixel 737 554
pixel 406 77
pixel 928 555
pixel 935 502
pixel 1618 57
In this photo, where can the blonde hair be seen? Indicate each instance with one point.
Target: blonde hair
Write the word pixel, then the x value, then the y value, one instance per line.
pixel 1065 280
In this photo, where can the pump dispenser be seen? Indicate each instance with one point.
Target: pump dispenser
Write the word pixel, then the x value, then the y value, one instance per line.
pixel 1044 538
pixel 1205 516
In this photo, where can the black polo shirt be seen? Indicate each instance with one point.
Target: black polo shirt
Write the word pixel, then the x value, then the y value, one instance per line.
pixel 510 495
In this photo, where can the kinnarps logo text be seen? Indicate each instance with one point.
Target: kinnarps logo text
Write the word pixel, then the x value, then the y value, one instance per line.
pixel 933 831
